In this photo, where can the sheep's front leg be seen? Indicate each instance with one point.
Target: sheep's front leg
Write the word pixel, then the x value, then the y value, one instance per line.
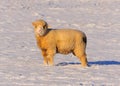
pixel 48 56
pixel 44 57
pixel 50 59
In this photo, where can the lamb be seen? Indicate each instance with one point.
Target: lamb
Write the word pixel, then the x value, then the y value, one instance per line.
pixel 64 41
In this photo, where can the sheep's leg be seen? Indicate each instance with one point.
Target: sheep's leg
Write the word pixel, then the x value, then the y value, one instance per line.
pixel 80 53
pixel 82 58
pixel 50 56
pixel 50 60
pixel 45 61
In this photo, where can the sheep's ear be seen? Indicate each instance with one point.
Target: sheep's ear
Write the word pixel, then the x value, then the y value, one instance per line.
pixel 34 24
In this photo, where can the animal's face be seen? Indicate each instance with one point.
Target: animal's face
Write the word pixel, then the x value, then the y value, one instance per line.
pixel 40 27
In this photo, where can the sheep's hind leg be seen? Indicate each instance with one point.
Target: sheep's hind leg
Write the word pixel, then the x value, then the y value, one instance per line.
pixel 81 56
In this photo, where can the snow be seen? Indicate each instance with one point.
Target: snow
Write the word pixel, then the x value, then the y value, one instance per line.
pixel 21 61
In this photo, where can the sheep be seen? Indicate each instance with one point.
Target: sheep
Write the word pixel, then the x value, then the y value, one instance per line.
pixel 64 41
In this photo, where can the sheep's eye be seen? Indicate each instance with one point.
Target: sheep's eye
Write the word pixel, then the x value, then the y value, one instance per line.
pixel 44 26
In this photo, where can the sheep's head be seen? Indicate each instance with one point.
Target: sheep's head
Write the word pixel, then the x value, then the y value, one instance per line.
pixel 40 27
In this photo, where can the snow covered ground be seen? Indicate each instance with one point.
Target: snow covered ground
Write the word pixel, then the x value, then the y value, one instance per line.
pixel 21 61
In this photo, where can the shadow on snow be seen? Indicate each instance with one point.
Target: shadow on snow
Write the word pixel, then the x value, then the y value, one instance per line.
pixel 90 63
